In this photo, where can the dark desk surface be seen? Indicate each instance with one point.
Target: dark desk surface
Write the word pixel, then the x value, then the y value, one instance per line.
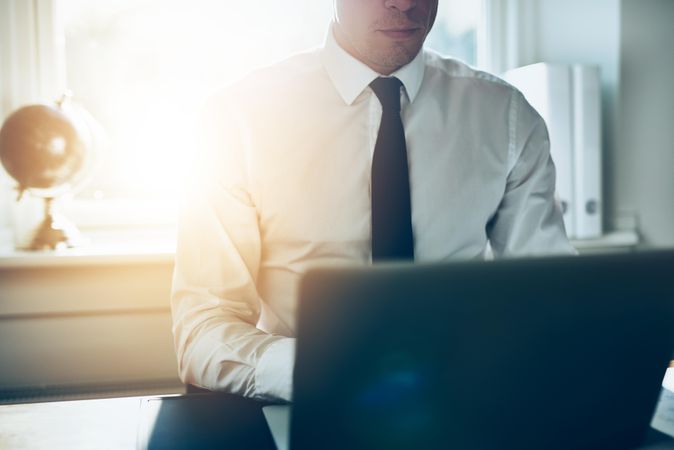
pixel 114 423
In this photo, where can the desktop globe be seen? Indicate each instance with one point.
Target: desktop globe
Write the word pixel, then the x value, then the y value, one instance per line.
pixel 47 150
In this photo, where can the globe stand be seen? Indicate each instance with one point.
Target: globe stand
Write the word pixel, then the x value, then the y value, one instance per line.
pixel 55 231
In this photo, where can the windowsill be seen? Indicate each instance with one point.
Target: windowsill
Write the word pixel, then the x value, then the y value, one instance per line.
pixel 135 246
pixel 157 246
pixel 616 240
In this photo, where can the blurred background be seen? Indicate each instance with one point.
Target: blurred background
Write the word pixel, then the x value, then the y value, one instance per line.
pixel 95 320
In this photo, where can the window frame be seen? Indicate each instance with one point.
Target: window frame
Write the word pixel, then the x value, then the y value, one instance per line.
pixel 508 34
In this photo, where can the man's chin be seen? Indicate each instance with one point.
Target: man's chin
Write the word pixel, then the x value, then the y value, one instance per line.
pixel 398 56
pixel 387 57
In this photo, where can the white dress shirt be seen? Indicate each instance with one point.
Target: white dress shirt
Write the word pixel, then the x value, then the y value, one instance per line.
pixel 283 184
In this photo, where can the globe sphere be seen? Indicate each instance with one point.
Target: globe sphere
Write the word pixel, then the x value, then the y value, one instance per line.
pixel 43 147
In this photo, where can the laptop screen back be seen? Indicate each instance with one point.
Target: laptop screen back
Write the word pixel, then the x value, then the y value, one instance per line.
pixel 559 353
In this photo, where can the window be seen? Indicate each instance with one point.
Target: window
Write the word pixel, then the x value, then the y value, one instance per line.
pixel 142 68
pixel 456 29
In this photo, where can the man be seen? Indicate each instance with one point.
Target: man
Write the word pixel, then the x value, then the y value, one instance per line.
pixel 368 149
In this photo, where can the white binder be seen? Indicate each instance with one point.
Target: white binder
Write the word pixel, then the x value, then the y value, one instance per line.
pixel 568 99
pixel 587 151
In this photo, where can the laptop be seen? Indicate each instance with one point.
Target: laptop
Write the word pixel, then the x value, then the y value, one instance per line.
pixel 554 353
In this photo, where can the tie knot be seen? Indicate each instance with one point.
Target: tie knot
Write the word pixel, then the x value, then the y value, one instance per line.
pixel 387 91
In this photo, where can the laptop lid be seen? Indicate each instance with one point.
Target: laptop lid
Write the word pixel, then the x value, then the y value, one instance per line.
pixel 555 353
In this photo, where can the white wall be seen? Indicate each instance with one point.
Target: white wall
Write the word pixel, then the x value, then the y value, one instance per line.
pixel 646 130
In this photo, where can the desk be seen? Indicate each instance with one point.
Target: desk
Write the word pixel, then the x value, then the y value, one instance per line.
pixel 112 424
pixel 86 424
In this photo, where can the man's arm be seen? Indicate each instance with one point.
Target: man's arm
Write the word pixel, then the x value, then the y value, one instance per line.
pixel 215 303
pixel 529 219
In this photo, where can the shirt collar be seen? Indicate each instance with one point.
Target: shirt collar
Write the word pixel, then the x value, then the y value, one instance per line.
pixel 350 76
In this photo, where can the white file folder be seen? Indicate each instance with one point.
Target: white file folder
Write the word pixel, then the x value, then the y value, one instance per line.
pixel 587 151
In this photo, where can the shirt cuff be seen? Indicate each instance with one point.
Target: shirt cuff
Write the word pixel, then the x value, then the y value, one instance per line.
pixel 274 371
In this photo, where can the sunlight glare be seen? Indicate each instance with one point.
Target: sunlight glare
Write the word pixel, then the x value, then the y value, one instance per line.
pixel 144 67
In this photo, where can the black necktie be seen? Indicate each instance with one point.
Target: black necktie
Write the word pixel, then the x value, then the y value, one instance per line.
pixel 391 207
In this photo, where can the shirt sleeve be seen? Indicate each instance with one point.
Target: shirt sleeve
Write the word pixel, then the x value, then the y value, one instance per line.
pixel 215 303
pixel 529 220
